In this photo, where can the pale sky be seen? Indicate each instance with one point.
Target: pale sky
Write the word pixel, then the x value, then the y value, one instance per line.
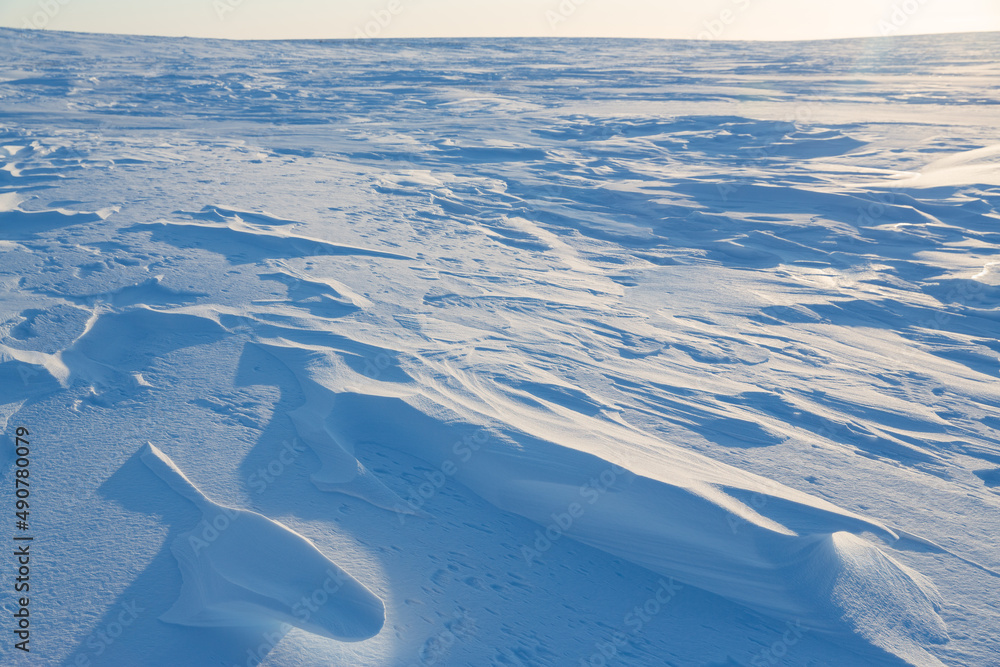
pixel 682 19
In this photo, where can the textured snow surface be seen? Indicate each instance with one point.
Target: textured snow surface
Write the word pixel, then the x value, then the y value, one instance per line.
pixel 504 352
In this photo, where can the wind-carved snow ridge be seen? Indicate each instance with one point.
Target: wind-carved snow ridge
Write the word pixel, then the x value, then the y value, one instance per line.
pixel 250 570
pixel 267 240
pixel 980 166
pixel 795 559
pixel 20 225
pixel 798 558
pixel 340 470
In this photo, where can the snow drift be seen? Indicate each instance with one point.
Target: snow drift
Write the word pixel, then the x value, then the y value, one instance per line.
pixel 241 568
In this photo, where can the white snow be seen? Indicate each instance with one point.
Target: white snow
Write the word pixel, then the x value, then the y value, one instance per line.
pixel 504 352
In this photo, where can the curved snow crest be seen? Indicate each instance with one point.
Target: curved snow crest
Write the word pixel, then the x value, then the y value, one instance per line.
pixel 271 240
pixel 340 471
pixel 832 582
pixel 979 166
pixel 792 556
pixel 240 568
pixel 102 352
pixel 228 214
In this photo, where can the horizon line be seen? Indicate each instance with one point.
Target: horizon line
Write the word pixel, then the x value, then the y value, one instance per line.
pixel 367 38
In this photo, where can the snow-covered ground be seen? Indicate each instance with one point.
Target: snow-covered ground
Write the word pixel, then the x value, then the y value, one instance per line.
pixel 503 352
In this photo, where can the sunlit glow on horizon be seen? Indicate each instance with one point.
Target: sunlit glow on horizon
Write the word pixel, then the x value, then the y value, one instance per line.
pixel 672 19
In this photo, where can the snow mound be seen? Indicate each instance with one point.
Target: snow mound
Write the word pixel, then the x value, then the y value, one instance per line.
pixel 887 603
pixel 243 569
pixel 980 166
pixel 990 274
